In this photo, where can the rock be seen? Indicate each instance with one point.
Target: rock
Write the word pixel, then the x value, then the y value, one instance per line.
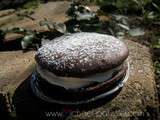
pixel 6 12
pixel 15 66
pixel 52 11
pixel 136 97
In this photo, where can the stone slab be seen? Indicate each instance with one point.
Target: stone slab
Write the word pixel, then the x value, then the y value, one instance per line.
pixel 14 67
pixel 53 11
pixel 137 99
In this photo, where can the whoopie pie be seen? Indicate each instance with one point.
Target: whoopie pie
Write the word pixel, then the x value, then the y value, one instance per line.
pixel 79 67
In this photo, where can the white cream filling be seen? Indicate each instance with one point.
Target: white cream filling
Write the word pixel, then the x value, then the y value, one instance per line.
pixel 75 82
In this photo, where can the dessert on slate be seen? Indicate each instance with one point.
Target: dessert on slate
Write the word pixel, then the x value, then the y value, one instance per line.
pixel 80 67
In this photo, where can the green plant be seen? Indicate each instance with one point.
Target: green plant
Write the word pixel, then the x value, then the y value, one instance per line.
pixel 53 26
pixel 25 13
pixel 120 6
pixel 156 44
pixel 29 37
pixel 32 38
pixel 79 12
pixel 2 35
pixel 81 18
pixel 157 67
pixel 31 4
pixel 156 51
pixel 147 8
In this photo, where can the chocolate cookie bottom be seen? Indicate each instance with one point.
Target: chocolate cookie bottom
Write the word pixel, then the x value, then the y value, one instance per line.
pixel 63 97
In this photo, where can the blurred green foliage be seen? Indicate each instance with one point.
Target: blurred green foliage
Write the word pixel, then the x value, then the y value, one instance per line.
pixel 82 18
pixel 30 5
pixel 149 9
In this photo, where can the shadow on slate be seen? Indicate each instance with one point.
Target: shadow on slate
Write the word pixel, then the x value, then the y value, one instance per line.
pixel 28 106
pixel 3 109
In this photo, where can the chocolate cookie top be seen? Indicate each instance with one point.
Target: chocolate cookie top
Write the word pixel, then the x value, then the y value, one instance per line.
pixel 81 54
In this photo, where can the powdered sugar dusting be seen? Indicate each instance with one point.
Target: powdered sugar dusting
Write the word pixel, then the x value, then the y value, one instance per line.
pixel 81 52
